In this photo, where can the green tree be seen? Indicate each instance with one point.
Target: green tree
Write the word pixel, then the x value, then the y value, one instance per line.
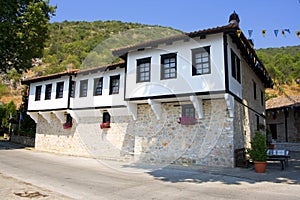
pixel 10 111
pixel 24 30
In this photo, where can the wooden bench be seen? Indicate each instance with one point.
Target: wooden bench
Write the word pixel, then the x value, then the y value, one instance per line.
pixel 278 155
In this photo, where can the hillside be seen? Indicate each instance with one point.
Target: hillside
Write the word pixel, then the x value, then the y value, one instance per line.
pixel 283 65
pixel 87 44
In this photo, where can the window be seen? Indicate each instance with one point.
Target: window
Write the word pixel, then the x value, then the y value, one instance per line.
pixel 106 117
pixel 201 61
pixel 235 67
pixel 188 115
pixel 105 121
pixel 114 84
pixel 257 122
pixel 262 97
pixel 83 88
pixel 48 91
pixel 98 85
pixel 143 70
pixel 59 90
pixel 73 87
pixel 38 92
pixel 188 111
pixel 254 90
pixel 68 123
pixel 168 66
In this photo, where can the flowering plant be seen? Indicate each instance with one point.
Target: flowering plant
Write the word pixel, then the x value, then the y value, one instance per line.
pixel 105 125
pixel 187 120
pixel 67 125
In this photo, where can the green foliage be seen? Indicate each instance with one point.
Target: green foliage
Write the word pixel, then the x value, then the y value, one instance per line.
pixel 3 90
pixel 258 151
pixel 89 44
pixel 24 28
pixel 283 63
pixel 9 111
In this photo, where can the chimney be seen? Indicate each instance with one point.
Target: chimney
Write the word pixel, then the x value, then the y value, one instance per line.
pixel 234 19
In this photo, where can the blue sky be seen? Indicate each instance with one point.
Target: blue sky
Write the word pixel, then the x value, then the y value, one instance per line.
pixel 192 15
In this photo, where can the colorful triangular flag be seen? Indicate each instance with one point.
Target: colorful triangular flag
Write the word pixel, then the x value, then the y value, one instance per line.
pixel 283 32
pixel 298 34
pixel 250 33
pixel 239 32
pixel 264 32
pixel 288 30
pixel 276 32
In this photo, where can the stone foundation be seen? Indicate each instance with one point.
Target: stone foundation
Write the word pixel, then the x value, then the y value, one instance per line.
pixel 208 142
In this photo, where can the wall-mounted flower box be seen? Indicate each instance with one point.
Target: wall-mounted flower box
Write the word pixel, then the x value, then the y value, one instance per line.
pixel 67 125
pixel 105 125
pixel 187 120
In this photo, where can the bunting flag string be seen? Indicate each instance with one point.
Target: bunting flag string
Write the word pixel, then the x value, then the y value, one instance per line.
pixel 276 32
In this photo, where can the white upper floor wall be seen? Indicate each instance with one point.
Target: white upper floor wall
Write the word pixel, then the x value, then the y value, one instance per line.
pixel 211 77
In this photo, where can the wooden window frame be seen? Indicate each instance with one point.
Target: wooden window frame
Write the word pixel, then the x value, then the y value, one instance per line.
pixel 235 66
pixel 201 51
pixel 38 93
pixel 140 71
pixel 166 68
pixel 59 90
pixel 73 88
pixel 83 91
pixel 48 91
pixel 98 86
pixel 113 85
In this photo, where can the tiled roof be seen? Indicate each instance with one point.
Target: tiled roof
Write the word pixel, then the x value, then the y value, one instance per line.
pixel 280 102
pixel 72 72
pixel 47 77
pixel 152 43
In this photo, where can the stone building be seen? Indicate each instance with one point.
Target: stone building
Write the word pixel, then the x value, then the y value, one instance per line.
pixel 283 121
pixel 192 98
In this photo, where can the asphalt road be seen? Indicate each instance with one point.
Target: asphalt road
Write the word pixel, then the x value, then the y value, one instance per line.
pixel 51 176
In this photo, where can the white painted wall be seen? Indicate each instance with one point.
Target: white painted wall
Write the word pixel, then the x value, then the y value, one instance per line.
pixel 234 85
pixel 52 103
pixel 185 82
pixel 103 100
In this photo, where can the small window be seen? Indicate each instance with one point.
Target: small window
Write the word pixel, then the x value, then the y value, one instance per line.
pixel 143 70
pixel 254 90
pixel 59 90
pixel 106 117
pixel 83 88
pixel 68 124
pixel 73 87
pixel 235 67
pixel 188 115
pixel 257 122
pixel 188 111
pixel 38 92
pixel 168 66
pixel 48 91
pixel 262 98
pixel 114 84
pixel 201 61
pixel 98 85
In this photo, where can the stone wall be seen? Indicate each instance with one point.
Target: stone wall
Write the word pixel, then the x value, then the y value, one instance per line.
pixel 208 142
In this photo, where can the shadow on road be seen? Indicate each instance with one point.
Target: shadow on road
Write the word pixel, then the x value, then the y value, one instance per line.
pixel 204 174
pixel 6 145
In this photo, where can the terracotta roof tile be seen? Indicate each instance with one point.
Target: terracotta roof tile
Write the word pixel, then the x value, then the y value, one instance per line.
pixel 282 102
pixel 123 50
